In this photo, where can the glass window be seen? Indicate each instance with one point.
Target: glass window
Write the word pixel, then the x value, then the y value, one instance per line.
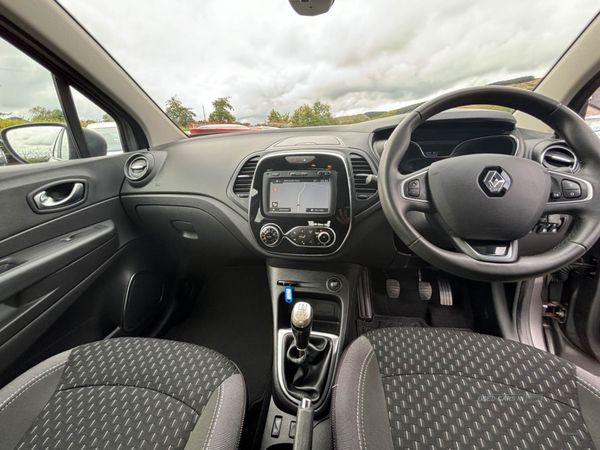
pixel 27 96
pixel 32 123
pixel 96 120
pixel 592 115
pixel 365 59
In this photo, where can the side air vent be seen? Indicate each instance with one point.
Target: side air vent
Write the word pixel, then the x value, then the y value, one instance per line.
pixel 138 167
pixel 559 156
pixel 243 180
pixel 365 185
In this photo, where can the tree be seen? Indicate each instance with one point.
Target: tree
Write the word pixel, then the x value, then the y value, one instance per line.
pixel 222 112
pixel 107 118
pixel 41 114
pixel 274 116
pixel 178 113
pixel 317 115
pixel 323 113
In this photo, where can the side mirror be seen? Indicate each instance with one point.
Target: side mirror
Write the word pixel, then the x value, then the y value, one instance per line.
pixel 3 161
pixel 42 142
pixel 31 142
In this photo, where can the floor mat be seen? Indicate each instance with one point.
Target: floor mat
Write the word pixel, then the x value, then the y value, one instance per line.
pixel 388 321
pixel 233 316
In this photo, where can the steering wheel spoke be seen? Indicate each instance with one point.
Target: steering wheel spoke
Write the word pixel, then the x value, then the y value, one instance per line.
pixel 568 194
pixel 488 251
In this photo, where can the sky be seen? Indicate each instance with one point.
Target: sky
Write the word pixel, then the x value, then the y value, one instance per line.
pixel 363 55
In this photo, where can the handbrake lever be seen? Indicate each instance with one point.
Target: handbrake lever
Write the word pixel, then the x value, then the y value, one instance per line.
pixel 304 425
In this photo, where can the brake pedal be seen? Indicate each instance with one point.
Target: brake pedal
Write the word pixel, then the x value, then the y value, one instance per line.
pixel 393 288
pixel 445 291
pixel 425 289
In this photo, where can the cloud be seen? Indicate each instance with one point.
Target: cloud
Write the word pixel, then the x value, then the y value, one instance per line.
pixel 363 55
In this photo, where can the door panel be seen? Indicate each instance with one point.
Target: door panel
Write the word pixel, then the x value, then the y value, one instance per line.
pixel 50 262
pixel 104 177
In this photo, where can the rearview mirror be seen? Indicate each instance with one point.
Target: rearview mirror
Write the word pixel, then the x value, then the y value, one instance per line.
pixel 33 142
pixel 311 7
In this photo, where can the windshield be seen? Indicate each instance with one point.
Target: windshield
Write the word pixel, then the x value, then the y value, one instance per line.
pixel 258 63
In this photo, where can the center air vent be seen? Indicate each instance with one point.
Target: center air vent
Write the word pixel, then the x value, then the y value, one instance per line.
pixel 559 156
pixel 365 186
pixel 243 180
pixel 138 167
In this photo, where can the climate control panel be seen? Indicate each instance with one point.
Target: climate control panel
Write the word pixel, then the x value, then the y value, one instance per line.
pixel 314 236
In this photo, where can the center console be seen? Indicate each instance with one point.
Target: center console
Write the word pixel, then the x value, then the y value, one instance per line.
pixel 300 203
pixel 310 331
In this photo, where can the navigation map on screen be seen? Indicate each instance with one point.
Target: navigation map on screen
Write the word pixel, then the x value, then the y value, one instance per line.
pixel 299 196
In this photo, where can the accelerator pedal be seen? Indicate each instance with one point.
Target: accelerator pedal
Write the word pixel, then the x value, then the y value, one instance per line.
pixel 445 291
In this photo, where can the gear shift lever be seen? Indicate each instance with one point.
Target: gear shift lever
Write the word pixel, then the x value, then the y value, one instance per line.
pixel 308 358
pixel 302 317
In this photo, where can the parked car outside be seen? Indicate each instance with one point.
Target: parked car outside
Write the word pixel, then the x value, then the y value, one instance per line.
pixel 218 128
pixel 110 132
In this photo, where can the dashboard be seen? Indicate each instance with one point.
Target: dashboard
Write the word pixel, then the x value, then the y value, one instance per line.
pixel 434 141
pixel 311 194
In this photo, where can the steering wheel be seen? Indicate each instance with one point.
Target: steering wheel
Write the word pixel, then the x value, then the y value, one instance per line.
pixel 487 202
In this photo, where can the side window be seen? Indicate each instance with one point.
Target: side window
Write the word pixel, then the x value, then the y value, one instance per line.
pixel 33 126
pixel 592 115
pixel 98 121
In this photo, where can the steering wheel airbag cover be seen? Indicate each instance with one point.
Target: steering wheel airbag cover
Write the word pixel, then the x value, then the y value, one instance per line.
pixel 457 193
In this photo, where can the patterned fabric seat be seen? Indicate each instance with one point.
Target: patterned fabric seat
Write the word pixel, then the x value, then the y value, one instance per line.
pixel 420 388
pixel 126 393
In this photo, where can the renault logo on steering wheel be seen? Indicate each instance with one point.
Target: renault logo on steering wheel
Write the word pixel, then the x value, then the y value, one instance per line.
pixel 494 181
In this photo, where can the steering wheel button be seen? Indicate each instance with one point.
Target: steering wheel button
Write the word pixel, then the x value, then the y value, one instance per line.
pixel 414 192
pixel 554 219
pixel 568 185
pixel 572 193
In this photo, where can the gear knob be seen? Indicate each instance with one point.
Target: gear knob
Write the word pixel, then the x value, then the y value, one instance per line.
pixel 302 318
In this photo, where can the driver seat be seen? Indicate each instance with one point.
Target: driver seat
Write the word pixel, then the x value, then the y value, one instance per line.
pixel 420 388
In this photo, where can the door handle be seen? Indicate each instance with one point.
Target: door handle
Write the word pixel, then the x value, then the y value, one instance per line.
pixel 43 201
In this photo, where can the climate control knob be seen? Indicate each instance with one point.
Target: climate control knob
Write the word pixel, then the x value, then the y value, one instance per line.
pixel 325 237
pixel 270 235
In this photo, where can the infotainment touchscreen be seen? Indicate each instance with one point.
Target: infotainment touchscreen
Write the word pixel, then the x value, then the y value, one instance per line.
pixel 299 195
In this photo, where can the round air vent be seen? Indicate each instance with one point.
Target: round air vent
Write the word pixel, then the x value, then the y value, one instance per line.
pixel 559 156
pixel 138 167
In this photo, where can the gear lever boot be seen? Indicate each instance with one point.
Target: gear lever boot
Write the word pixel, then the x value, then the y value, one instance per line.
pixel 307 358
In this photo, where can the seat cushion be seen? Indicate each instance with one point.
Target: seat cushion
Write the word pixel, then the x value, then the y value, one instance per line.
pixel 420 388
pixel 126 393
